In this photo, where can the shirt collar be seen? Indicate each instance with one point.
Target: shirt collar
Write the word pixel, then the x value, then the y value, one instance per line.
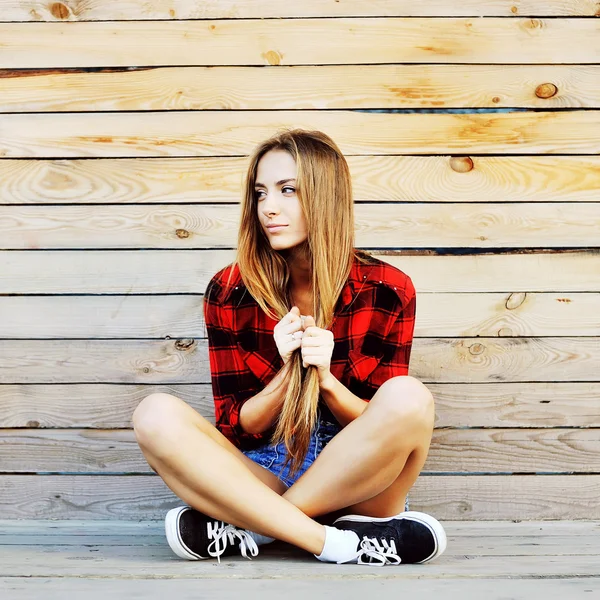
pixel 355 280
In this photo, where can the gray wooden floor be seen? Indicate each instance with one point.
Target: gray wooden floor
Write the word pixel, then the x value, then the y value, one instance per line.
pixel 99 559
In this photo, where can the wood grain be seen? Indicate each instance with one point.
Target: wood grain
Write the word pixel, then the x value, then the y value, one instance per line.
pixel 100 406
pixel 536 225
pixel 301 87
pixel 283 42
pixel 439 360
pixel 375 179
pixel 103 10
pixel 231 133
pixel 160 316
pixel 474 497
pixel 188 271
pixel 92 588
pixel 481 451
pixel 106 406
pixel 502 532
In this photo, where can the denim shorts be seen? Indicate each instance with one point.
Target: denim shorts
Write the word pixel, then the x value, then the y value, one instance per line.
pixel 272 457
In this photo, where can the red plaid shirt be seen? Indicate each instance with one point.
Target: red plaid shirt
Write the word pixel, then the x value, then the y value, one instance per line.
pixel 372 329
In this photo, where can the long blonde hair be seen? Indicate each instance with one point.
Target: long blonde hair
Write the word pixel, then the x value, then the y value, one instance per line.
pixel 324 190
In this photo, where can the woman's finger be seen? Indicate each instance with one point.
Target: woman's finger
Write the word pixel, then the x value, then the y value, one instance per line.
pixel 309 321
pixel 314 331
pixel 290 328
pixel 314 341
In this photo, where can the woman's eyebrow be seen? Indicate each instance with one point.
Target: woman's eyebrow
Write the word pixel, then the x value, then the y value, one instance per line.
pixel 280 182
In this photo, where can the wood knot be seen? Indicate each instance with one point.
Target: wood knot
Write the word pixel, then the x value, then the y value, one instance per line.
pixel 476 349
pixel 60 10
pixel 505 332
pixel 546 90
pixel 496 99
pixel 514 10
pixel 515 300
pixel 534 24
pixel 184 345
pixel 182 233
pixel 461 164
pixel 273 57
pixel 33 423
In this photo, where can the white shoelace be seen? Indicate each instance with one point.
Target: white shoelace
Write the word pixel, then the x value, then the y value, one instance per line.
pixel 223 534
pixel 382 551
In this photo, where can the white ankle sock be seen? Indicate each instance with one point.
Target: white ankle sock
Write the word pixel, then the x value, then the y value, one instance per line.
pixel 260 540
pixel 340 545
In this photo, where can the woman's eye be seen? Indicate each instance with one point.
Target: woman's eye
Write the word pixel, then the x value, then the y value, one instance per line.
pixel 259 193
pixel 288 189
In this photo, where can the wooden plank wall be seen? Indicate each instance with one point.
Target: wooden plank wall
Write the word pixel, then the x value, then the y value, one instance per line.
pixel 473 133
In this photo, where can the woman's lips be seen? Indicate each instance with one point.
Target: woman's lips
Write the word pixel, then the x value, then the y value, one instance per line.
pixel 273 229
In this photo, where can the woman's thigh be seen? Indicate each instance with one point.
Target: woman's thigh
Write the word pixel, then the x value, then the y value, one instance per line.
pixel 160 410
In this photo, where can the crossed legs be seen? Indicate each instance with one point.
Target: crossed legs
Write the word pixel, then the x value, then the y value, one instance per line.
pixel 367 468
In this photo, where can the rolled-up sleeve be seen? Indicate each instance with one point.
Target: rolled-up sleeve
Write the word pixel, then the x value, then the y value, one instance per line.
pixel 386 349
pixel 232 382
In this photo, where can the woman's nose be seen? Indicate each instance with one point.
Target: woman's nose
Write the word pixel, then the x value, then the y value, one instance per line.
pixel 270 206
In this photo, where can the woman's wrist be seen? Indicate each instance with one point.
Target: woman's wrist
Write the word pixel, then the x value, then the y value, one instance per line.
pixel 327 381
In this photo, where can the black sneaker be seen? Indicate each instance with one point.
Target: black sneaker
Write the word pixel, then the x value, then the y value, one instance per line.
pixel 194 536
pixel 410 537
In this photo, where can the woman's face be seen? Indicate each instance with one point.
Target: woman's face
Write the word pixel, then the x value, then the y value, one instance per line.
pixel 279 210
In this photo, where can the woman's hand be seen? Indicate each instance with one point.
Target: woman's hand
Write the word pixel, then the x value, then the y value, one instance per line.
pixel 317 348
pixel 288 334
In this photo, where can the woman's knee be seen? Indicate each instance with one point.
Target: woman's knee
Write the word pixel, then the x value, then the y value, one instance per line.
pixel 156 416
pixel 403 400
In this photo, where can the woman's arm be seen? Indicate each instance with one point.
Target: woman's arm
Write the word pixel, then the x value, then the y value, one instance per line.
pixel 344 405
pixel 260 412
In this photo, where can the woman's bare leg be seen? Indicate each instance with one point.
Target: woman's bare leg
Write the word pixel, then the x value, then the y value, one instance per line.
pixel 210 474
pixel 369 466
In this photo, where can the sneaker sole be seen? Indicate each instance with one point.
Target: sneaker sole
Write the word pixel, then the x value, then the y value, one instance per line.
pixel 437 531
pixel 173 537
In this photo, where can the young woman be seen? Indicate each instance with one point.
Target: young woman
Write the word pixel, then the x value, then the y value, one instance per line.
pixel 309 344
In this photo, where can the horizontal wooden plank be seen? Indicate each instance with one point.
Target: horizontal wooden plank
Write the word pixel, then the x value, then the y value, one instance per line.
pixel 301 87
pixel 476 497
pixel 283 42
pixel 375 178
pixel 339 582
pixel 231 133
pixel 523 497
pixel 441 314
pixel 468 225
pixel 538 538
pixel 516 404
pixel 501 532
pixel 440 360
pixel 106 406
pixel 34 10
pixel 506 359
pixel 511 451
pixel 93 405
pixel 189 271
pixel 452 451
